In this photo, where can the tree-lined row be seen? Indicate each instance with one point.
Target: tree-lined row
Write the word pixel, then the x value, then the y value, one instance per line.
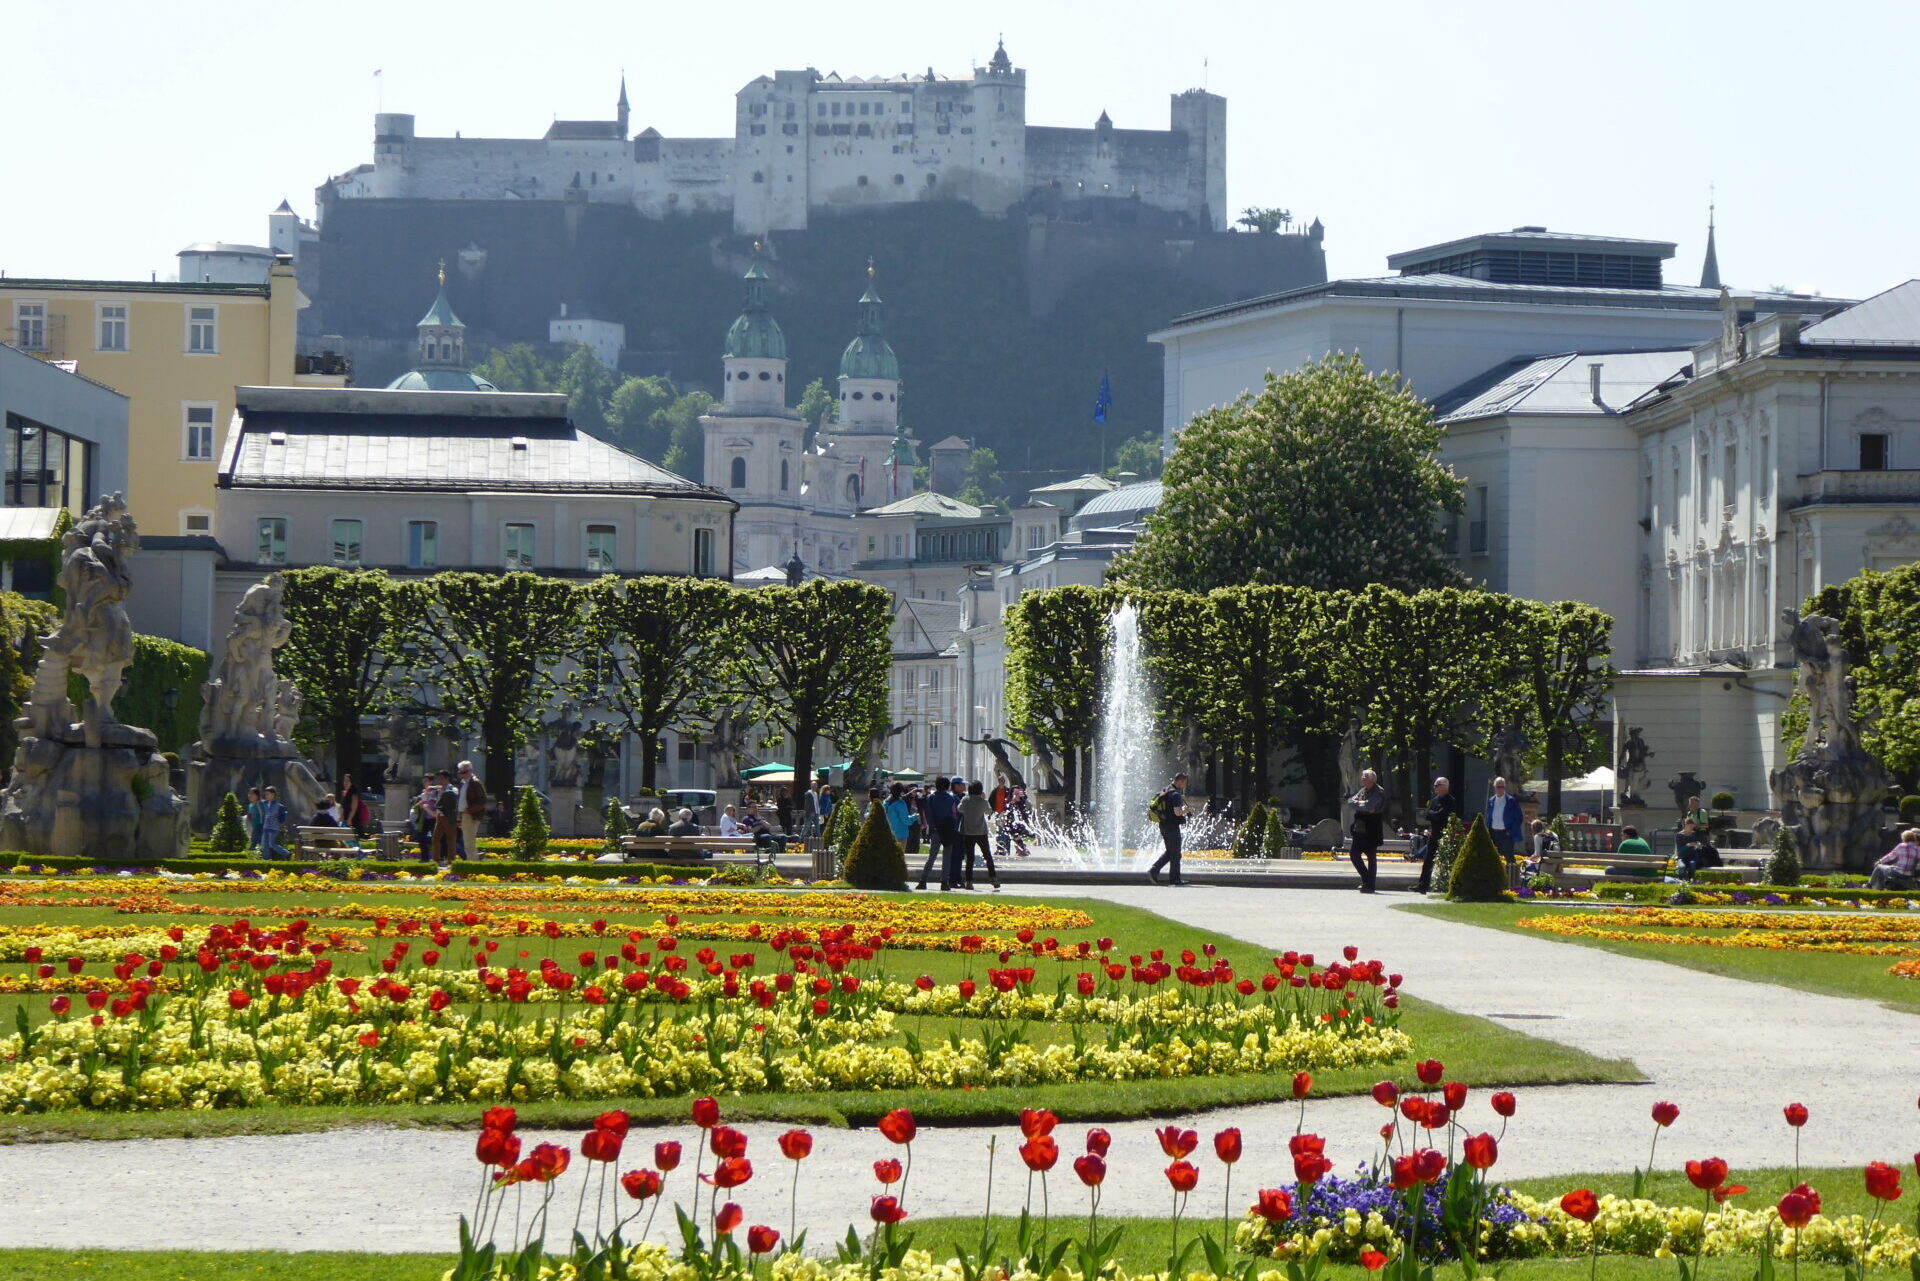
pixel 486 656
pixel 1251 671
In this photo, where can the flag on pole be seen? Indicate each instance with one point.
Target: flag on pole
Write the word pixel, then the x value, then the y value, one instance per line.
pixel 1103 401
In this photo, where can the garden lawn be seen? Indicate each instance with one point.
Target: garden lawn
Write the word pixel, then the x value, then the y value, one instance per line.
pixel 1478 1052
pixel 1828 973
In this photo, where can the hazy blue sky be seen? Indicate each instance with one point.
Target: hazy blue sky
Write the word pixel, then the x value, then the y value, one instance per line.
pixel 134 129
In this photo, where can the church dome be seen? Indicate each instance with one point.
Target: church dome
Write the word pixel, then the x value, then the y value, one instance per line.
pixel 869 355
pixel 440 380
pixel 756 334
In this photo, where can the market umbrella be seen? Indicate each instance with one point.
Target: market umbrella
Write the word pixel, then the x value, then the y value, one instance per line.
pixel 759 772
pixel 907 776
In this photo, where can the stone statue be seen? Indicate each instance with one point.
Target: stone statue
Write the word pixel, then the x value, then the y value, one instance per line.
pixel 1002 758
pixel 1051 779
pixel 286 710
pixel 1508 749
pixel 1631 774
pixel 1830 792
pixel 96 789
pixel 565 760
pixel 94 637
pixel 1350 768
pixel 403 737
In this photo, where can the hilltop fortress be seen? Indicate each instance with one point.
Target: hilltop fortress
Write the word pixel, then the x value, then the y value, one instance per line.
pixel 805 142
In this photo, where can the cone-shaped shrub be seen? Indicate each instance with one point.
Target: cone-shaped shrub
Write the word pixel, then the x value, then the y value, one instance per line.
pixel 1444 857
pixel 1276 842
pixel 1479 873
pixel 843 824
pixel 530 829
pixel 1250 841
pixel 876 861
pixel 617 823
pixel 229 828
pixel 1783 868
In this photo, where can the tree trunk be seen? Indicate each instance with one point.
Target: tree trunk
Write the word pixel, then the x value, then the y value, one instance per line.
pixel 1556 763
pixel 1070 776
pixel 803 736
pixel 649 757
pixel 1261 747
pixel 498 745
pixel 346 748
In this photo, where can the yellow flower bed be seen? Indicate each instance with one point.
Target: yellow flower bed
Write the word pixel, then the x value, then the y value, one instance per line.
pixel 1770 931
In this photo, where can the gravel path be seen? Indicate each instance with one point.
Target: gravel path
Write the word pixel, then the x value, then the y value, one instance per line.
pixel 1729 1052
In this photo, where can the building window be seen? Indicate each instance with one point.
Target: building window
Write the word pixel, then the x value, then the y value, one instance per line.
pixel 933 742
pixel 783 475
pixel 600 544
pixel 196 522
pixel 1477 527
pixel 197 446
pixel 1873 451
pixel 737 474
pixel 345 536
pixel 202 335
pixel 1762 469
pixel 517 552
pixel 270 540
pixel 423 544
pixel 30 326
pixel 112 326
pixel 1702 488
pixel 703 553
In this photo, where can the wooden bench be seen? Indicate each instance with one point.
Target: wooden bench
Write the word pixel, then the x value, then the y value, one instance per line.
pixel 328 843
pixel 682 849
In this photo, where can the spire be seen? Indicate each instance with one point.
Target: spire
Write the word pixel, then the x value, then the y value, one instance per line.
pixel 1000 62
pixel 1710 268
pixel 620 111
pixel 869 355
pixel 755 334
pixel 870 306
pixel 441 313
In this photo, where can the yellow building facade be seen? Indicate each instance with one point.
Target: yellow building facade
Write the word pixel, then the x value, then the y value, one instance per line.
pixel 176 351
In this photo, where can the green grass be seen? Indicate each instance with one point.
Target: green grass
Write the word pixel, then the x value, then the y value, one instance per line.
pixel 1475 1050
pixel 1827 973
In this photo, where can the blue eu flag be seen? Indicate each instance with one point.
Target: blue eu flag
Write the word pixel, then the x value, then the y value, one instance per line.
pixel 1104 400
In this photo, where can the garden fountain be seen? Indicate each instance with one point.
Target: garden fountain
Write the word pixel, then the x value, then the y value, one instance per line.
pixel 1127 764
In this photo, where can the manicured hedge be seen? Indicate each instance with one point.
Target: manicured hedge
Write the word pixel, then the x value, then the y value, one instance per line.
pixel 488 867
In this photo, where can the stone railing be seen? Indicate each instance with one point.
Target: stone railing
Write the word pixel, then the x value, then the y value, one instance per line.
pixel 1861 487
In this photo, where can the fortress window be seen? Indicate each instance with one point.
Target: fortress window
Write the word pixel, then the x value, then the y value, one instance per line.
pixel 906 131
pixel 790 130
pixel 858 394
pixel 899 180
pixel 863 180
pixel 836 108
pixel 821 131
pixel 737 474
pixel 932 178
pixel 863 108
pixel 865 131
pixel 823 109
pixel 783 475
pixel 765 376
pixel 758 176
pixel 742 375
pixel 779 378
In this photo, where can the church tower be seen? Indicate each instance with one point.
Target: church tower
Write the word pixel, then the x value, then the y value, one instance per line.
pixel 869 374
pixel 440 340
pixel 620 112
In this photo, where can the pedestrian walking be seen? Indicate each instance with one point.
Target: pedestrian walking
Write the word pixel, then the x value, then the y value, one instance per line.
pixel 473 807
pixel 1168 810
pixel 273 820
pixel 253 818
pixel 940 816
pixel 974 808
pixel 1442 807
pixel 1506 824
pixel 447 837
pixel 899 813
pixel 1369 828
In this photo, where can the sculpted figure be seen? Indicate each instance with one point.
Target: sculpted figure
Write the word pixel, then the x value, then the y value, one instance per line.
pixel 1820 671
pixel 564 759
pixel 240 698
pixel 1002 758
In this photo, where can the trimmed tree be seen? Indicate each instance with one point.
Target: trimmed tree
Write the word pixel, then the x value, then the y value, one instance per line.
pixel 875 861
pixel 229 835
pixel 1251 840
pixel 1443 858
pixel 1565 676
pixel 1350 491
pixel 815 665
pixel 489 646
pixel 1056 659
pixel 616 822
pixel 1479 873
pixel 1783 866
pixel 530 828
pixel 340 652
pixel 1276 842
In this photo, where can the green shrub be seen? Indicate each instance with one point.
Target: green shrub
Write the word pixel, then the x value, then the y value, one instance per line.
pixel 229 828
pixel 1444 856
pixel 844 825
pixel 530 829
pixel 1275 844
pixel 1723 800
pixel 1910 810
pixel 1251 840
pixel 1561 832
pixel 875 861
pixel 1784 867
pixel 1479 873
pixel 1540 882
pixel 617 822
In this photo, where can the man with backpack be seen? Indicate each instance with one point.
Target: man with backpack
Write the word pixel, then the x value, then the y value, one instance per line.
pixel 1169 810
pixel 942 833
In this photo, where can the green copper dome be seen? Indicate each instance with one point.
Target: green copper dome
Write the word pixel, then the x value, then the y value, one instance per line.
pixel 755 333
pixel 869 355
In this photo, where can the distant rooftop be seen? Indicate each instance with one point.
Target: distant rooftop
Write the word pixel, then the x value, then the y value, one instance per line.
pixel 1536 256
pixel 42 285
pixel 1888 319
pixel 1562 385
pixel 928 503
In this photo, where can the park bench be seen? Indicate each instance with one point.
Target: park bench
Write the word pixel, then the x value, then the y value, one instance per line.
pixel 682 849
pixel 328 842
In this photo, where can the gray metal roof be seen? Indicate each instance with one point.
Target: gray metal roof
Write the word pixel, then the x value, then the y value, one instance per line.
pixel 1889 319
pixel 1562 384
pixel 22 523
pixel 1537 238
pixel 1126 505
pixel 928 503
pixel 356 438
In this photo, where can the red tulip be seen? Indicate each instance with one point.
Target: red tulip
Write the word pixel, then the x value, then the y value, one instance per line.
pixel 1311 1167
pixel 1429 1071
pixel 1372 1260
pixel 497 1147
pixel 761 1239
pixel 898 1126
pixel 1098 1141
pixel 1503 1103
pixel 724 1141
pixel 1301 1144
pixel 97 999
pixel 1581 1204
pixel 1455 1094
pixel 1430 1164
pixel 729 1218
pixel 1481 1151
pixel 1176 1142
pixel 1796 1114
pixel 60 1004
pixel 666 1155
pixel 1883 1181
pixel 1183 1176
pixel 706 1112
pixel 601 1145
pixel 1403 1174
pixel 1386 1094
pixel 1040 1154
pixel 1302 1084
pixel 1708 1174
pixel 1796 1210
pixel 887 1210
pixel 1035 1122
pixel 1274 1205
pixel 237 998
pixel 641 1184
pixel 499 1119
pixel 1226 1145
pixel 1665 1114
pixel 1721 1195
pixel 796 1145
pixel 730 1172
pixel 1813 1198
pixel 888 1172
pixel 615 1122
pixel 1091 1169
pixel 548 1162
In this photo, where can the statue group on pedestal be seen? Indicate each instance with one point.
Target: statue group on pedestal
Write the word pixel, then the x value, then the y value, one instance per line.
pixel 1830 792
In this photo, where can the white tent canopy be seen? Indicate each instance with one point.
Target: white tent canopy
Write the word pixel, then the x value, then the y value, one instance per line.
pixel 1600 780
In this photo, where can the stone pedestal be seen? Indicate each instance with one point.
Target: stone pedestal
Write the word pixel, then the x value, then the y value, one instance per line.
pixel 565 818
pixel 398 807
pixel 235 765
pixel 111 802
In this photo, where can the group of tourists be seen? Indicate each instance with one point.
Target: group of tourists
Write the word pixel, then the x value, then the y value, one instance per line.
pixel 267 817
pixel 962 824
pixel 447 815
